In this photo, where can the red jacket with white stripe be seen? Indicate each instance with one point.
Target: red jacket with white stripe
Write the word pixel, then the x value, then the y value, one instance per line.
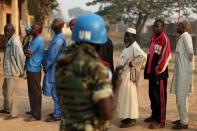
pixel 158 58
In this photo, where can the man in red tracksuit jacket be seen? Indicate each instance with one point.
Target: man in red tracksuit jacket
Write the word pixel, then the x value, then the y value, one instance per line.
pixel 156 71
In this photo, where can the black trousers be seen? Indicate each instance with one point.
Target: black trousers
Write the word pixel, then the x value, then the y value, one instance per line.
pixel 158 99
pixel 35 93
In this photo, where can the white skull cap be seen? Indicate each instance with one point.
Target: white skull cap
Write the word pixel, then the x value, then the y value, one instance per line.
pixel 131 30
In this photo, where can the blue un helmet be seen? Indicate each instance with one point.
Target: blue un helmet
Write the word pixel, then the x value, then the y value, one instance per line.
pixel 90 28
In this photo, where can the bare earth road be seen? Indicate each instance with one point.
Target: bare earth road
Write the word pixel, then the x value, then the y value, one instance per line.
pixel 47 106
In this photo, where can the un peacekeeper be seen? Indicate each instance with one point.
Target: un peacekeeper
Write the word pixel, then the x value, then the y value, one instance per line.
pixel 84 85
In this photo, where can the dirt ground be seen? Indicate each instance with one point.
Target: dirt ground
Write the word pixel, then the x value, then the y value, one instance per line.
pixel 47 107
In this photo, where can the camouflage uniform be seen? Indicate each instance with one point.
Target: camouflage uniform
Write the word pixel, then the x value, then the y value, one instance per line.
pixel 82 80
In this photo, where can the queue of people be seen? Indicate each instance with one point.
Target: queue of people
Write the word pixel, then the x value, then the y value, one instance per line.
pixel 82 81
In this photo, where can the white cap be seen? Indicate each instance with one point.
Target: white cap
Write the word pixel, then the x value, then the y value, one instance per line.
pixel 131 30
pixel 186 24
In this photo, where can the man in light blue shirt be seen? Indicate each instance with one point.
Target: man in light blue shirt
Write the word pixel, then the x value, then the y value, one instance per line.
pixel 34 54
pixel 55 49
pixel 34 61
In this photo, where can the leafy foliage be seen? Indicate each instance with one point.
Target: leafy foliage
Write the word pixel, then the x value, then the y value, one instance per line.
pixel 136 12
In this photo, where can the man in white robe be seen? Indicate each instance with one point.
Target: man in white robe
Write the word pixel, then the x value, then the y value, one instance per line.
pixel 131 59
pixel 182 78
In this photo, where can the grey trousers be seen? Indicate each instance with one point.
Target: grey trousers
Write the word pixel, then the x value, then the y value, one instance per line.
pixel 9 94
pixel 182 105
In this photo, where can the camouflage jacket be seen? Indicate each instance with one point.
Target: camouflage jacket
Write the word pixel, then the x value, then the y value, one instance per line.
pixel 81 81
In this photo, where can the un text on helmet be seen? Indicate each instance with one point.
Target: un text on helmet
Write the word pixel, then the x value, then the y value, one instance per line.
pixel 85 35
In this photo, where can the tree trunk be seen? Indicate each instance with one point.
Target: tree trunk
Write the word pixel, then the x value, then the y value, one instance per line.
pixel 140 24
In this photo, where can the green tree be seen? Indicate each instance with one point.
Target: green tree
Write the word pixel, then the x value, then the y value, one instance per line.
pixel 137 12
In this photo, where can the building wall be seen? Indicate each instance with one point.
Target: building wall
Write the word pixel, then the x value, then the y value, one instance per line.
pixel 5 9
pixel 13 9
pixel 1 17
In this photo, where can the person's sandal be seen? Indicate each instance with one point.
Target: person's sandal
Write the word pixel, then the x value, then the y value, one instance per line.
pixel 11 117
pixel 176 122
pixel 31 118
pixel 28 112
pixel 52 119
pixel 180 126
pixel 155 125
pixel 4 111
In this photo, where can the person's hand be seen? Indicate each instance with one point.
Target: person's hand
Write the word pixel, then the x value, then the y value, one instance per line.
pixel 28 53
pixel 22 75
pixel 130 64
pixel 44 69
pixel 190 57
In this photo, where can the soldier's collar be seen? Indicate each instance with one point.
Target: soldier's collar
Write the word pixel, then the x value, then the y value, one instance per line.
pixel 90 49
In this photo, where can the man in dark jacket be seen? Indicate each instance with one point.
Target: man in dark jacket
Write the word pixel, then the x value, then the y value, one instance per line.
pixel 156 71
